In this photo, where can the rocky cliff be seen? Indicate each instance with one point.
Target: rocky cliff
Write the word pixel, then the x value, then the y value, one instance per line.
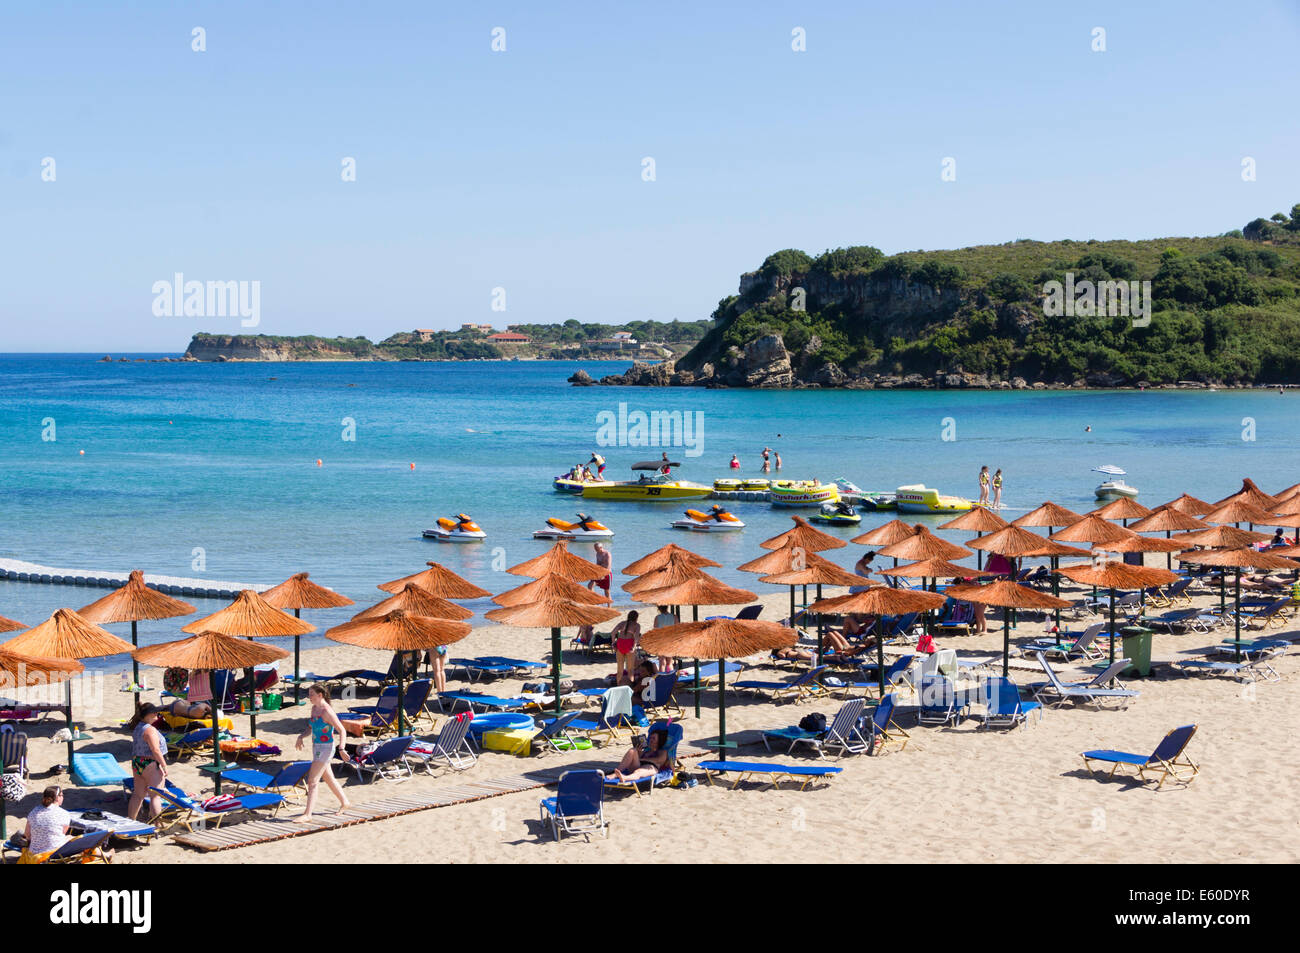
pixel 263 347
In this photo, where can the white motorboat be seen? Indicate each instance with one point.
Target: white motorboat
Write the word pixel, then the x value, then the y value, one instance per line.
pixel 1114 488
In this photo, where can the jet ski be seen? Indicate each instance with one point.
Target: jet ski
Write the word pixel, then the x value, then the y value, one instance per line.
pixel 462 529
pixel 584 528
pixel 717 520
pixel 840 512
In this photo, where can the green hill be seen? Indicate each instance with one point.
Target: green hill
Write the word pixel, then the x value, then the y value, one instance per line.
pixel 1223 310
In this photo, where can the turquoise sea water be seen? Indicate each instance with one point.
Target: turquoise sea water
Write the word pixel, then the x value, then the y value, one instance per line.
pixel 221 457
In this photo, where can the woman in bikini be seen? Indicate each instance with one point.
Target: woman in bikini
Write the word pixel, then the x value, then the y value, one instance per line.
pixel 627 636
pixel 327 734
pixel 193 710
pixel 997 489
pixel 647 762
pixel 148 761
pixel 984 486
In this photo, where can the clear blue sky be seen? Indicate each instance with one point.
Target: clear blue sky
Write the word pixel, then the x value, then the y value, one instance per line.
pixel 522 169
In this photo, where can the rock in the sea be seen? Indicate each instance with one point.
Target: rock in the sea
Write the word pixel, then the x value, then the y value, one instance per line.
pixel 581 378
pixel 828 375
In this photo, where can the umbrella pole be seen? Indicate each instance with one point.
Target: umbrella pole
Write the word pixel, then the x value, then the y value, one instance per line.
pixel 135 668
pixel 297 657
pixel 880 659
pixel 555 668
pixel 1006 641
pixel 1236 641
pixel 1056 590
pixel 697 687
pixel 1112 627
pixel 1223 593
pixel 792 607
pixel 215 704
pixel 67 694
pixel 722 709
pixel 401 695
pixel 820 628
pixel 979 553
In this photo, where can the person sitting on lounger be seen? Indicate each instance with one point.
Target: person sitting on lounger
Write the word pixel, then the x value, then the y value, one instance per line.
pixel 183 709
pixel 648 760
pixel 644 677
pixel 47 824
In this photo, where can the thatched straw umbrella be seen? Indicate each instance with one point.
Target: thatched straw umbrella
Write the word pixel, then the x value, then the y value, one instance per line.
pixel 923 544
pixel 550 586
pixel 880 601
pixel 1251 494
pixel 440 581
pixel 1118 576
pixel 1050 515
pixel 929 571
pixel 11 625
pixel 817 571
pixel 705 591
pixel 1092 529
pixel 1287 494
pixel 553 614
pixel 1008 595
pixel 718 639
pixel 979 521
pixel 804 535
pixel 1123 509
pixel 1167 520
pixel 657 559
pixel 22 671
pixel 1188 504
pixel 1015 542
pixel 250 616
pixel 298 593
pixel 134 603
pixel 1243 558
pixel 399 631
pixel 210 651
pixel 1143 544
pixel 559 559
pixel 670 574
pixel 1218 537
pixel 1289 507
pixel 892 532
pixel 66 635
pixel 1239 511
pixel 416 601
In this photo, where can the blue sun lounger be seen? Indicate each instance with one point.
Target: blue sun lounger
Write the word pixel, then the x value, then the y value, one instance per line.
pixel 290 776
pixel 842 733
pixel 895 673
pixel 485 702
pixel 1249 671
pixel 1165 759
pixel 708 672
pixel 186 810
pixel 801 687
pixel 1003 705
pixel 659 777
pixel 800 774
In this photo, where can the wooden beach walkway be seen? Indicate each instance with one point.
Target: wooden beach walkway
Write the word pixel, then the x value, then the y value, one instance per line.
pixel 20 571
pixel 263 831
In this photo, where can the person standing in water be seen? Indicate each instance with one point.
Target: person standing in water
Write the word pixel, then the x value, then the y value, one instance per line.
pixel 604 559
pixel 767 465
pixel 997 489
pixel 327 734
pixel 735 462
pixel 778 459
pixel 984 486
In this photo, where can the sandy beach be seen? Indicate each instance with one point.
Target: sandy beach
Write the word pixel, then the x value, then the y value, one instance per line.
pixel 954 795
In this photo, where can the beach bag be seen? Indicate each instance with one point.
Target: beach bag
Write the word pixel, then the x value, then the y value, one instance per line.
pixel 925 644
pixel 14 788
pixel 813 721
pixel 174 680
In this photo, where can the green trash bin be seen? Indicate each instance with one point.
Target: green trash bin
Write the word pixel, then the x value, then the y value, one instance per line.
pixel 1137 649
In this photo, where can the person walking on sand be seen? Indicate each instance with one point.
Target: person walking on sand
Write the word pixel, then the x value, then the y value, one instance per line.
pixel 997 489
pixel 148 761
pixel 604 559
pixel 627 636
pixel 327 734
pixel 984 487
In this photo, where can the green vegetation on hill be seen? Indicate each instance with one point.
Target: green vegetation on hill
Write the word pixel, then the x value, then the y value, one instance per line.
pixel 1224 309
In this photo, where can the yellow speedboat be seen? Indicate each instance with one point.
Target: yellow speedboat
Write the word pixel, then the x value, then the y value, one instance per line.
pixel 660 486
pixel 919 498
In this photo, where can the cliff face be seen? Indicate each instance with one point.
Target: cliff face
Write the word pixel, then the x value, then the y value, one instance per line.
pixel 259 347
